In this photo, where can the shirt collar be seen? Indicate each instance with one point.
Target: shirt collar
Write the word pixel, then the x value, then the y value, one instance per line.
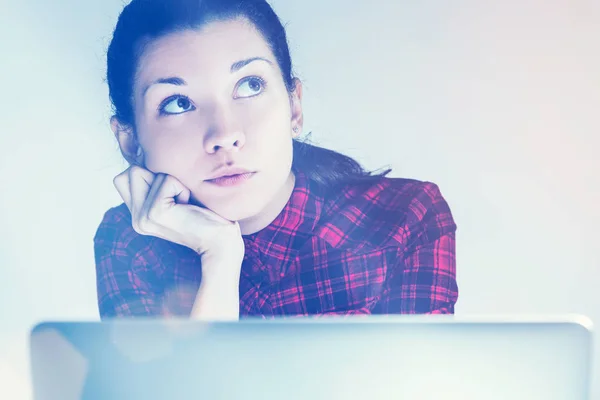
pixel 298 219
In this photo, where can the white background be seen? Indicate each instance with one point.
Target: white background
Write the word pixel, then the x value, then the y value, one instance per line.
pixel 496 102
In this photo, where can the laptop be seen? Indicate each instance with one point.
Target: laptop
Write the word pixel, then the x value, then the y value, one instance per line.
pixel 388 357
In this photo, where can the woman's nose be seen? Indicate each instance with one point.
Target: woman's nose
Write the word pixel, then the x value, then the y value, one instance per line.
pixel 225 133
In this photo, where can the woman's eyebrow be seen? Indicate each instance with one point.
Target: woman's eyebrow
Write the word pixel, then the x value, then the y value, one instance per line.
pixel 236 66
pixel 173 80
pixel 177 81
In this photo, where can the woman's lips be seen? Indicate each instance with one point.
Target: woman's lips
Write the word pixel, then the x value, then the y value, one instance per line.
pixel 231 180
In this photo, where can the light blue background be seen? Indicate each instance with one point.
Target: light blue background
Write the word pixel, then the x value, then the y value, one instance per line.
pixel 496 102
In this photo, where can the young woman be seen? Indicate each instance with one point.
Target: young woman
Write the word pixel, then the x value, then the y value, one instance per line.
pixel 226 212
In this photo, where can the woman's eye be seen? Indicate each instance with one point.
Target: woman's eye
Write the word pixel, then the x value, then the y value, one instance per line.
pixel 250 87
pixel 176 105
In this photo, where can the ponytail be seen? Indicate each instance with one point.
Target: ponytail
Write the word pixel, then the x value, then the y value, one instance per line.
pixel 330 169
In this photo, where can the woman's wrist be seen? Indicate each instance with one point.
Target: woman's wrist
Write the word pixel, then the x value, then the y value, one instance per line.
pixel 216 303
pixel 225 247
pixel 221 268
pixel 218 295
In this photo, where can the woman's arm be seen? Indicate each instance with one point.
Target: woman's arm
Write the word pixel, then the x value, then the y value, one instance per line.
pixel 427 284
pixel 218 297
pixel 427 264
pixel 128 281
pixel 124 289
pixel 423 278
pixel 429 278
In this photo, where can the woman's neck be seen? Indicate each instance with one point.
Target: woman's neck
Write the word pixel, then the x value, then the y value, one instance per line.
pixel 271 211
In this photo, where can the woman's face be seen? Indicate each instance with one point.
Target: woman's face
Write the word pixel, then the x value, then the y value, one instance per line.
pixel 211 101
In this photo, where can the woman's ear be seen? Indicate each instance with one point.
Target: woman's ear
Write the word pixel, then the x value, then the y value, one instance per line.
pixel 296 107
pixel 128 143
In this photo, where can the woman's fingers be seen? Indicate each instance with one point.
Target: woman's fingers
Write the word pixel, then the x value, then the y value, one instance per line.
pixel 168 199
pixel 152 196
pixel 140 181
pixel 159 206
pixel 121 183
pixel 173 189
pixel 184 193
pixel 165 192
pixel 168 203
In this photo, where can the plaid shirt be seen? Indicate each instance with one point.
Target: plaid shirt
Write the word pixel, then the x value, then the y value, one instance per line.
pixel 385 247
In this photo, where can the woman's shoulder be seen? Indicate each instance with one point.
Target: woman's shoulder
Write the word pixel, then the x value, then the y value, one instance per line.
pixel 385 196
pixel 385 211
pixel 115 226
pixel 117 215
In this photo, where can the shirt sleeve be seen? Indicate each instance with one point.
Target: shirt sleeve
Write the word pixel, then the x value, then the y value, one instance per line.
pixel 125 287
pixel 427 265
pixel 422 279
pixel 427 283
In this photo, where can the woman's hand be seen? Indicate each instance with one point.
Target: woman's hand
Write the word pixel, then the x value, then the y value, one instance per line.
pixel 159 206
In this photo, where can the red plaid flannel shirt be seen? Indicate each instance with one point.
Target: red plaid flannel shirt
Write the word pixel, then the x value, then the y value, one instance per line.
pixel 387 247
